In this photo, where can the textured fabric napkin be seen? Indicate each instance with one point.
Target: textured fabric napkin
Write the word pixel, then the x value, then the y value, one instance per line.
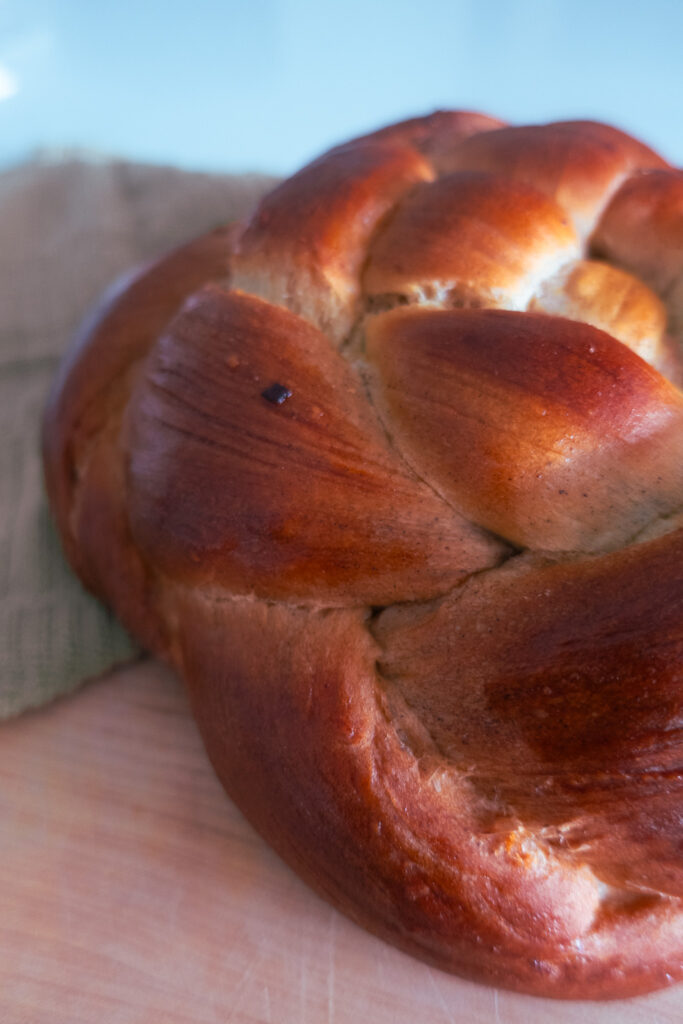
pixel 68 228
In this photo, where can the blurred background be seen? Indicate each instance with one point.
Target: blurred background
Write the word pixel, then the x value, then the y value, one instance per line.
pixel 264 85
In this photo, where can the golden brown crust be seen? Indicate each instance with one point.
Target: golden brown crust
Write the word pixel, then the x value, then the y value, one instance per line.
pixel 305 499
pixel 216 468
pixel 470 239
pixel 83 419
pixel 642 228
pixel 548 432
pixel 642 231
pixel 302 736
pixel 610 299
pixel 560 725
pixel 577 163
pixel 439 134
pixel 305 244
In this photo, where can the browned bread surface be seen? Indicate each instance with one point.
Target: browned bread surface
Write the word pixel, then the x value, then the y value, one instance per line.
pixel 393 474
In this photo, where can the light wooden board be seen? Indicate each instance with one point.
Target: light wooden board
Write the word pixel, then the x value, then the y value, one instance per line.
pixel 133 892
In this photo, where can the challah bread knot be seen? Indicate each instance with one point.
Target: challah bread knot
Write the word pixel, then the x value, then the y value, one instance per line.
pixel 393 475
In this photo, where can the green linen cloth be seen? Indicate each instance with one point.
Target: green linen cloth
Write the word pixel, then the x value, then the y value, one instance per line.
pixel 68 227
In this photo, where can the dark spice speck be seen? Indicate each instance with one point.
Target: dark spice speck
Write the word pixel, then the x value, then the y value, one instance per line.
pixel 276 393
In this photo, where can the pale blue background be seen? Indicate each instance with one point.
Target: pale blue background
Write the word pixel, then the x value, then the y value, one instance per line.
pixel 267 84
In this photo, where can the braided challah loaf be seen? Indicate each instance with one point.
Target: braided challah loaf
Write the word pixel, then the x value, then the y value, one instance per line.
pixel 393 475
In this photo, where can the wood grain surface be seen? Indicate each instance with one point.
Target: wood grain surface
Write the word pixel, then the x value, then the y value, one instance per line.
pixel 133 892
